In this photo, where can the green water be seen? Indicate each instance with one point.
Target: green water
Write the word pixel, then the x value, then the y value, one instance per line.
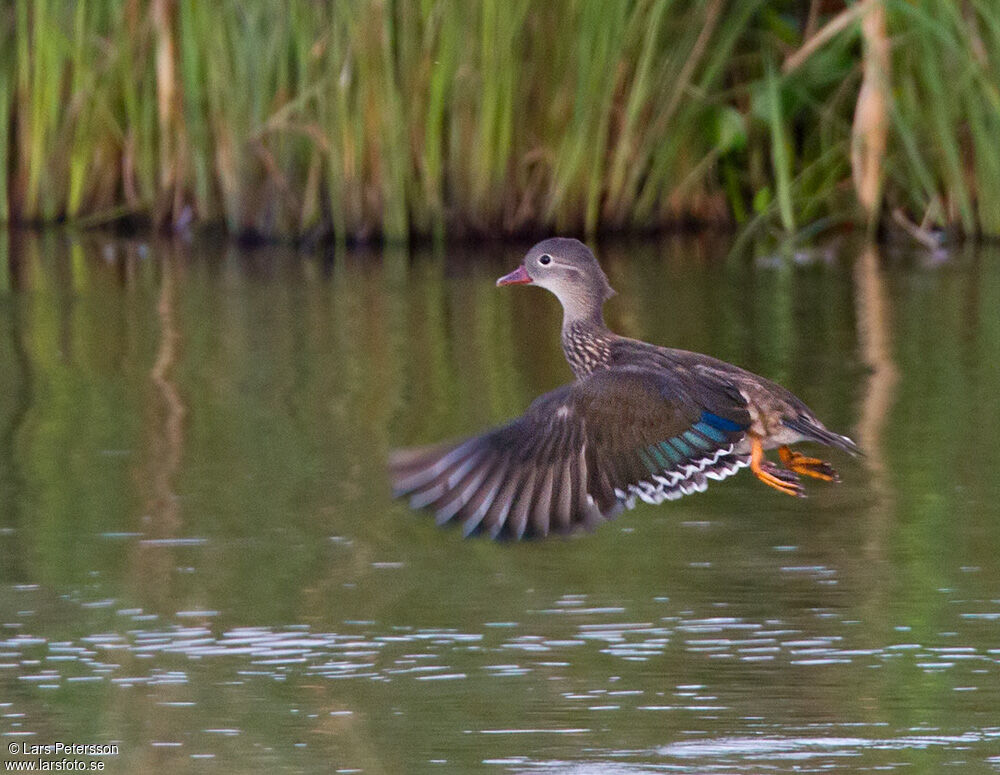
pixel 200 561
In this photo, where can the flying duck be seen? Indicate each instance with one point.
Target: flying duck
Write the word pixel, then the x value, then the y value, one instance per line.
pixel 639 422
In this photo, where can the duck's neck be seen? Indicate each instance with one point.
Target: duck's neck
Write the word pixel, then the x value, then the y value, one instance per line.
pixel 586 340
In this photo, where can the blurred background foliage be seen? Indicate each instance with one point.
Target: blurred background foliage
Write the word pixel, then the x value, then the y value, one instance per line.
pixel 355 119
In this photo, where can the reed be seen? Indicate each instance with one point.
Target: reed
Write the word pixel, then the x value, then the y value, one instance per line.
pixel 6 98
pixel 366 118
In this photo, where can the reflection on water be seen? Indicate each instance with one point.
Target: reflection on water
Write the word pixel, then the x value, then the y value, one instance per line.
pixel 200 561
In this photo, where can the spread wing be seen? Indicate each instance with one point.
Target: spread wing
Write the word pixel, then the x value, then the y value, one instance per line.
pixel 581 454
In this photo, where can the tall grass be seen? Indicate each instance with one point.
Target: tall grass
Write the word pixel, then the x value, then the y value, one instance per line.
pixel 360 118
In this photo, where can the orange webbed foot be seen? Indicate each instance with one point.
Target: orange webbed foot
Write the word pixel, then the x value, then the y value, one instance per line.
pixel 781 480
pixel 807 466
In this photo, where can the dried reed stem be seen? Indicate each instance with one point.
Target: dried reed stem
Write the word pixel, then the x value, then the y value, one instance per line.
pixel 871 120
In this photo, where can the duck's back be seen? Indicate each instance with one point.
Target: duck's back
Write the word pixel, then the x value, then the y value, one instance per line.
pixel 705 372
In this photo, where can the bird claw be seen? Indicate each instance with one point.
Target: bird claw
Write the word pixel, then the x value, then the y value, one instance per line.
pixel 807 466
pixel 780 479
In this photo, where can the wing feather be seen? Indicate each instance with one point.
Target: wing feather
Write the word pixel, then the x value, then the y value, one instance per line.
pixel 521 509
pixel 581 454
pixel 475 508
pixel 542 506
pixel 496 517
pixel 461 489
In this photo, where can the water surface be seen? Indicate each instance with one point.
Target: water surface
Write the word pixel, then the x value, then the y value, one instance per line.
pixel 200 561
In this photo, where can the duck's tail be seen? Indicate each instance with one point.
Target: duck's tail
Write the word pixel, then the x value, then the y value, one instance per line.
pixel 812 430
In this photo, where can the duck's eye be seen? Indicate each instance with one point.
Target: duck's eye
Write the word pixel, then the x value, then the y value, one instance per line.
pixel 545 260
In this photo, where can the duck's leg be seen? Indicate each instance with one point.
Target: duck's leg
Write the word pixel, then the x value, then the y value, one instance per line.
pixel 808 466
pixel 782 481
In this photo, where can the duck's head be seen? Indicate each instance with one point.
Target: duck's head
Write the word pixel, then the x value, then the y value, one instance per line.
pixel 567 268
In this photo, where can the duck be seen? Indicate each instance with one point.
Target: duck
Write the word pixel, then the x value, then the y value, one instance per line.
pixel 639 422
